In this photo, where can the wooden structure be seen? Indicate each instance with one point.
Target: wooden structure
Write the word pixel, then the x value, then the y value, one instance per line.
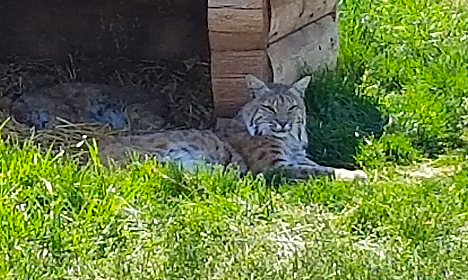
pixel 272 39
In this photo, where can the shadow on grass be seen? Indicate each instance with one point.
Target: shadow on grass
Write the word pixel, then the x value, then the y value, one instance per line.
pixel 338 119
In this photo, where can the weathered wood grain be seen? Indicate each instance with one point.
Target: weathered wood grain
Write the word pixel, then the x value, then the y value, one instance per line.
pixel 228 71
pixel 236 25
pixel 237 64
pixel 236 20
pixel 230 95
pixel 238 32
pixel 314 47
pixel 232 41
pixel 238 4
pixel 288 16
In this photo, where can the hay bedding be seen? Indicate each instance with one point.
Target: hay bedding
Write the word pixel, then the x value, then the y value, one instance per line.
pixel 183 86
pixel 71 138
pixel 179 92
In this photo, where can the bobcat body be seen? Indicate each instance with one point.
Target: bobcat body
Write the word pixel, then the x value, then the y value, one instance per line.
pixel 75 103
pixel 268 134
pixel 188 147
pixel 119 107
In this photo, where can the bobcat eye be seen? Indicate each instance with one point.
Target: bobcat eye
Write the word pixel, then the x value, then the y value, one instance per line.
pixel 269 108
pixel 292 108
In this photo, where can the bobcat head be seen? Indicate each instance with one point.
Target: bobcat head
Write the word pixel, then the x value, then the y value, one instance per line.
pixel 114 114
pixel 276 109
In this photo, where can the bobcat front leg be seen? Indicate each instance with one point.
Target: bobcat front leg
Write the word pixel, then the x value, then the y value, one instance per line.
pixel 307 167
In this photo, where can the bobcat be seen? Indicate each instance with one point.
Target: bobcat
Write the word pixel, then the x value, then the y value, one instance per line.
pixel 127 107
pixel 268 134
pixel 39 110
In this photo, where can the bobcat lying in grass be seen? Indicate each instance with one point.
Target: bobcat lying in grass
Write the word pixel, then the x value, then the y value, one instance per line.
pixel 268 134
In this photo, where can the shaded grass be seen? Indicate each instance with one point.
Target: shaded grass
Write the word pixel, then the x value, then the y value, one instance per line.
pixel 403 61
pixel 338 120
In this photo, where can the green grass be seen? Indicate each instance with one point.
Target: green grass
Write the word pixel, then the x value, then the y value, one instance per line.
pixel 399 60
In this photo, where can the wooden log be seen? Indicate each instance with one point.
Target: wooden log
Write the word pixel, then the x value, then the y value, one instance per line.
pixel 233 41
pixel 236 20
pixel 230 95
pixel 228 71
pixel 237 25
pixel 312 47
pixel 229 108
pixel 234 64
pixel 238 4
pixel 287 16
pixel 238 32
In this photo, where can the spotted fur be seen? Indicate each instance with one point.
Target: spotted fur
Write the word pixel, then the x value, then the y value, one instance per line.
pixel 129 108
pixel 268 134
pixel 111 113
pixel 187 147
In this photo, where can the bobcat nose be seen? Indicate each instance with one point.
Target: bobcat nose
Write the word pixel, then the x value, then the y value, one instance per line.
pixel 282 124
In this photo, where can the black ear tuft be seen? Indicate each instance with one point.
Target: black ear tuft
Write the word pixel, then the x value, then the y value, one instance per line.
pixel 301 86
pixel 256 86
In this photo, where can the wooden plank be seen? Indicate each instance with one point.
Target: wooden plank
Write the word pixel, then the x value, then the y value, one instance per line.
pixel 227 109
pixel 288 16
pixel 229 96
pixel 220 41
pixel 238 4
pixel 236 20
pixel 237 64
pixel 230 89
pixel 236 25
pixel 238 32
pixel 315 46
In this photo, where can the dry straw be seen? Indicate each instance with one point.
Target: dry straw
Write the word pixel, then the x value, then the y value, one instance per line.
pixel 183 84
pixel 67 136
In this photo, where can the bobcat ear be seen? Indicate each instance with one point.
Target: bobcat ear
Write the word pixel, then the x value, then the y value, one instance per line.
pixel 301 86
pixel 256 86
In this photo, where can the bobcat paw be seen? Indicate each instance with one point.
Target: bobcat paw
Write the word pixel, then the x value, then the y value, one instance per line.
pixel 349 175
